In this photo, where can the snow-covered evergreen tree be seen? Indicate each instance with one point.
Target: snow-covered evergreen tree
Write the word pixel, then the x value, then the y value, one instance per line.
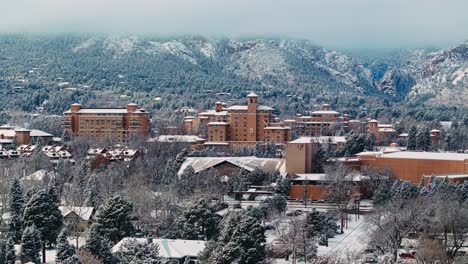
pixel 16 205
pixel 423 139
pixel 31 245
pixel 92 192
pixel 99 246
pixel 411 143
pixel 10 253
pixel 114 219
pixel 382 194
pixel 42 212
pixel 198 221
pixel 242 241
pixel 134 252
pixel 64 249
pixel 72 260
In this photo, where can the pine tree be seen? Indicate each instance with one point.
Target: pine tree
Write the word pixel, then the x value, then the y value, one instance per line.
pixel 114 219
pixel 242 241
pixel 31 245
pixel 99 246
pixel 198 221
pixel 464 191
pixel 423 139
pixel 279 203
pixel 64 249
pixel 132 251
pixel 411 144
pixel 406 190
pixel 433 185
pixel 320 159
pixel 72 260
pixel 10 254
pixel 42 212
pixel 382 195
pixel 92 192
pixel 16 205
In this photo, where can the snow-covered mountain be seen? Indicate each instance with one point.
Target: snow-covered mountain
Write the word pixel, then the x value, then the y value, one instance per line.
pixel 191 64
pixel 441 76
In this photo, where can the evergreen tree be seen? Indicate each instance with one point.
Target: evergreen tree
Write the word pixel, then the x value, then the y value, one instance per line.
pixel 464 191
pixel 423 139
pixel 279 203
pixel 42 212
pixel 16 205
pixel 433 185
pixel 320 159
pixel 64 249
pixel 10 254
pixel 72 260
pixel 114 219
pixel 406 190
pixel 134 252
pixel 198 221
pixel 242 241
pixel 31 245
pixel 92 192
pixel 283 186
pixel 411 144
pixel 99 246
pixel 383 194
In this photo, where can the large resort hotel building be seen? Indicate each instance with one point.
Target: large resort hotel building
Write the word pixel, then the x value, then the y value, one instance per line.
pixel 241 125
pixel 118 124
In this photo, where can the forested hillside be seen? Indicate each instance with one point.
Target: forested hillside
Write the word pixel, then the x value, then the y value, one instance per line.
pixel 163 75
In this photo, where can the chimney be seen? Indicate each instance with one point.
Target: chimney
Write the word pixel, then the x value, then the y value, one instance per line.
pixel 23 136
pixel 219 106
pixel 75 108
pixel 132 108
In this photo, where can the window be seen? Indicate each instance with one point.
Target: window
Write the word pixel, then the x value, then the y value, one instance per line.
pixel 251 131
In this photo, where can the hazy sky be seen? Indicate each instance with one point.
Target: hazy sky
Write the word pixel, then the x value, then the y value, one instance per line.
pixel 333 23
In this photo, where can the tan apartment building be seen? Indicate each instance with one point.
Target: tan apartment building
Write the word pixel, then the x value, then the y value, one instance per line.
pixel 118 124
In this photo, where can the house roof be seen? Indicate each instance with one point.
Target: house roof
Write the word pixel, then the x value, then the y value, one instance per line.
pixel 177 138
pixel 321 112
pixel 417 155
pixel 169 248
pixel 323 177
pixel 84 213
pixel 245 108
pixel 218 123
pixel 247 163
pixel 39 133
pixel 450 176
pixel 105 111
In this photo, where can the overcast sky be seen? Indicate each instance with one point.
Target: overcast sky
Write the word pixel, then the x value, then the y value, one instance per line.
pixel 348 24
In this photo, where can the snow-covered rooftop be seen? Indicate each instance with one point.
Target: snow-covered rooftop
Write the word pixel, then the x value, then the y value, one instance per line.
pixel 169 248
pixel 247 163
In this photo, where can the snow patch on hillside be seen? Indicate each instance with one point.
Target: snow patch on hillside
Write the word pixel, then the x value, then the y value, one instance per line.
pixel 84 45
pixel 173 47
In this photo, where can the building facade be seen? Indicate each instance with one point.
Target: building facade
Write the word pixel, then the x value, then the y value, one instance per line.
pixel 118 124
pixel 240 125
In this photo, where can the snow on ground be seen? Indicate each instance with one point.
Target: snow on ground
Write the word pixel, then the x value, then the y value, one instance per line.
pixel 353 241
pixel 50 254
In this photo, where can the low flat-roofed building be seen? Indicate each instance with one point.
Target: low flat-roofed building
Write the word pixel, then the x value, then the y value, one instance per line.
pixel 412 165
pixel 314 185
